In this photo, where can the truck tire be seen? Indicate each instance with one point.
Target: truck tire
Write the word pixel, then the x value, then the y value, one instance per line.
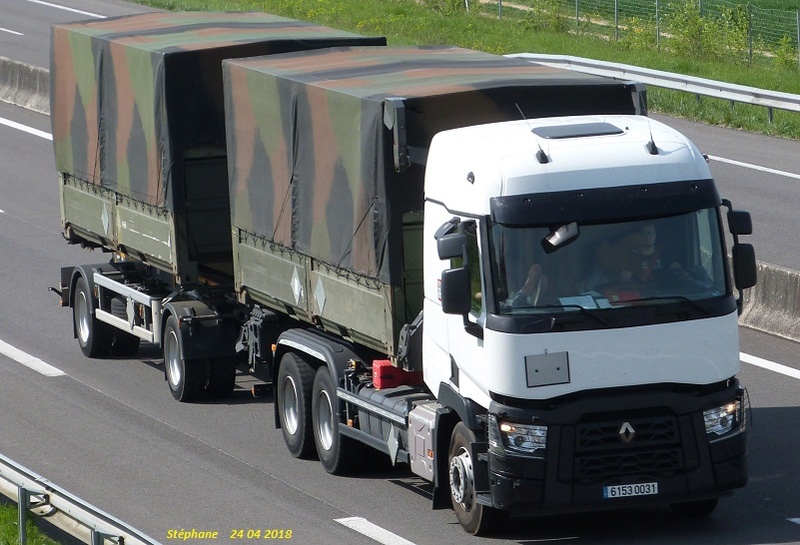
pixel 475 518
pixel 94 337
pixel 293 396
pixel 186 381
pixel 338 453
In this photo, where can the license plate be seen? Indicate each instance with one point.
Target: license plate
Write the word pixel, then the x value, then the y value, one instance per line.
pixel 629 490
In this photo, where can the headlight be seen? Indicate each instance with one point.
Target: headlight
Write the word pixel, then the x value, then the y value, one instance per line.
pixel 724 420
pixel 515 438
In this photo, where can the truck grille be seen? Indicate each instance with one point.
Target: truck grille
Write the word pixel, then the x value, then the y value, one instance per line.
pixel 599 467
pixel 649 432
pixel 653 448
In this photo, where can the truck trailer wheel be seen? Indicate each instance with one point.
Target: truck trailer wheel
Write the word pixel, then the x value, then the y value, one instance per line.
pixel 477 519
pixel 186 382
pixel 339 454
pixel 293 391
pixel 94 337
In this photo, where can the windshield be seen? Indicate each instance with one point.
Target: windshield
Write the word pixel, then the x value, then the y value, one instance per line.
pixel 676 259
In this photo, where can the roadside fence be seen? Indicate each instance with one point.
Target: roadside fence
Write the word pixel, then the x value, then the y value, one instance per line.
pixel 711 29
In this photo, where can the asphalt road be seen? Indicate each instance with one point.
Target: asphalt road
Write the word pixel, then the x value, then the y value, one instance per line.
pixel 760 174
pixel 25 24
pixel 109 431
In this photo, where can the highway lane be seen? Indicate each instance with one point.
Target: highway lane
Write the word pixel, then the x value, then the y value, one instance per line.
pixel 110 432
pixel 25 24
pixel 772 198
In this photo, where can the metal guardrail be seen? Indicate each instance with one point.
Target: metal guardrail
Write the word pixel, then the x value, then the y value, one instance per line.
pixel 62 509
pixel 27 85
pixel 669 80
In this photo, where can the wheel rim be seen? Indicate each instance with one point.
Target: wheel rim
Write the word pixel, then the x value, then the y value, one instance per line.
pixel 462 481
pixel 172 356
pixel 83 318
pixel 291 417
pixel 325 420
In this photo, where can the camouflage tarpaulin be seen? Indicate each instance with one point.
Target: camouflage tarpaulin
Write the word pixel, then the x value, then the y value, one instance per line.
pixel 130 95
pixel 311 144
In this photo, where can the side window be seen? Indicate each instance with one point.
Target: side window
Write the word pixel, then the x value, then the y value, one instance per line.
pixel 474 262
pixel 474 267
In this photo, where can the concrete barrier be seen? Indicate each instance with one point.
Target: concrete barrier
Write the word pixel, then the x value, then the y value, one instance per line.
pixel 773 305
pixel 25 85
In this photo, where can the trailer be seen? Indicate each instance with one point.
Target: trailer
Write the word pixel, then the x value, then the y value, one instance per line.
pixel 501 274
pixel 138 125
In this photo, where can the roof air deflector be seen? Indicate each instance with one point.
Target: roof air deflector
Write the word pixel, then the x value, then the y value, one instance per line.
pixel 579 130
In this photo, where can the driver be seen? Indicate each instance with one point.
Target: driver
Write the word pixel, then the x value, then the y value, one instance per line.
pixel 635 257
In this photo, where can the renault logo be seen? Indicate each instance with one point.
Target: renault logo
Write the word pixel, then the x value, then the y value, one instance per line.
pixel 626 432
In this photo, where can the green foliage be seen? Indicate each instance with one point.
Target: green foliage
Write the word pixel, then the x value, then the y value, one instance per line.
pixel 690 33
pixel 545 15
pixel 639 35
pixel 723 36
pixel 786 56
pixel 732 27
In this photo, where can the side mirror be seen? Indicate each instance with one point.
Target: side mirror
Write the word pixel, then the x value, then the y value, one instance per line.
pixel 451 246
pixel 740 223
pixel 744 266
pixel 455 293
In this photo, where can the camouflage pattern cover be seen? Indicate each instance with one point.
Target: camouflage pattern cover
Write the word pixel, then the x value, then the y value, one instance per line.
pixel 314 139
pixel 130 95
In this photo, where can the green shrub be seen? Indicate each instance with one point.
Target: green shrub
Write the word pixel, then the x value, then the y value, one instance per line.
pixel 639 34
pixel 545 15
pixel 786 56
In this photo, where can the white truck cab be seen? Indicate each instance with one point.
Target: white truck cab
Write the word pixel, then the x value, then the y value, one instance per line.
pixel 577 290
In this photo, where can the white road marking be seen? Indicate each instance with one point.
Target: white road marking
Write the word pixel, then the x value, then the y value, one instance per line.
pixel 373 531
pixel 795 520
pixel 25 128
pixel 31 362
pixel 770 365
pixel 755 167
pixel 65 8
pixel 11 31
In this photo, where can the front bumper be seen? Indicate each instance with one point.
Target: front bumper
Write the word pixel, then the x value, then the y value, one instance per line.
pixel 585 453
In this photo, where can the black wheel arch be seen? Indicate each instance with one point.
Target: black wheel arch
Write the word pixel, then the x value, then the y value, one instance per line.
pixel 456 408
pixel 201 338
pixel 466 409
pixel 87 273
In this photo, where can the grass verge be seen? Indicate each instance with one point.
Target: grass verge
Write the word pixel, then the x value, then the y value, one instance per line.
pixel 440 22
pixel 9 528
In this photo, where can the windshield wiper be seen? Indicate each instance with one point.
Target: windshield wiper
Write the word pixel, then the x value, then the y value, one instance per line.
pixel 681 298
pixel 584 312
